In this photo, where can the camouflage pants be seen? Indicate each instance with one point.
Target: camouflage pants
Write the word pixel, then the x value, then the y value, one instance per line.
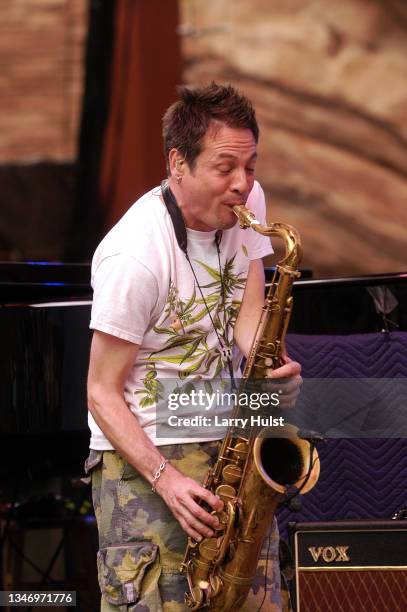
pixel 141 545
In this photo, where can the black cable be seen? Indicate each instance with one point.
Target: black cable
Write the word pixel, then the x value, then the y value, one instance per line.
pixel 287 590
pixel 218 238
pixel 307 476
pixel 265 574
pixel 225 349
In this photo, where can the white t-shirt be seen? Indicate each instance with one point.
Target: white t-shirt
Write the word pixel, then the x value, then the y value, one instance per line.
pixel 145 292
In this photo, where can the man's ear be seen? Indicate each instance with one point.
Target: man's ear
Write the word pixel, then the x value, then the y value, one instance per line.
pixel 176 161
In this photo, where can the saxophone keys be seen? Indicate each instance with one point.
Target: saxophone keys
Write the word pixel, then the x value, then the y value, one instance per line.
pixel 223 520
pixel 209 548
pixel 239 450
pixel 225 492
pixel 232 473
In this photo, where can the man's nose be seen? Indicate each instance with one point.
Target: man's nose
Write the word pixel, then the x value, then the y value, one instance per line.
pixel 240 182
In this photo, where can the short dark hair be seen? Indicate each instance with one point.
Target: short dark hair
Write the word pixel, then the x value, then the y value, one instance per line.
pixel 186 122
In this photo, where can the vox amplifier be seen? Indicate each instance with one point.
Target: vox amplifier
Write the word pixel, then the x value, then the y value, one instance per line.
pixel 349 566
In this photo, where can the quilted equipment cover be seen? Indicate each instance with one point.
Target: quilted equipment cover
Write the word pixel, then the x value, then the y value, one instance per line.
pixel 360 478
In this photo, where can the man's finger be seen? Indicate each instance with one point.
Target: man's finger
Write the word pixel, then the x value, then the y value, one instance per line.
pixel 188 530
pixel 201 514
pixel 287 370
pixel 283 386
pixel 213 500
pixel 193 522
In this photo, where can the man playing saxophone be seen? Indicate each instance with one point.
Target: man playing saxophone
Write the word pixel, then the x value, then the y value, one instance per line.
pixel 181 303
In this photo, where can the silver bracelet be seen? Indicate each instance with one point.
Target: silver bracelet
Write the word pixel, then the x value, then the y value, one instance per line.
pixel 158 474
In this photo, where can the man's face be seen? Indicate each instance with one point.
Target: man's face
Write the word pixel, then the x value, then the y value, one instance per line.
pixel 222 177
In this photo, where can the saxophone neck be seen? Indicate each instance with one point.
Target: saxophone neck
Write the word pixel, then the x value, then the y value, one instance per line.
pixel 288 233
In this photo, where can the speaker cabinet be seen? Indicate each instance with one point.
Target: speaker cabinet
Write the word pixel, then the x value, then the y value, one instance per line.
pixel 346 566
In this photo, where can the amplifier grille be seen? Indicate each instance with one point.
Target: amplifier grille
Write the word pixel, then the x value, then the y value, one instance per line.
pixel 352 591
pixel 350 566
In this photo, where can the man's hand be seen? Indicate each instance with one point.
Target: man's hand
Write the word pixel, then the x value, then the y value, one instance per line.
pixel 289 384
pixel 180 494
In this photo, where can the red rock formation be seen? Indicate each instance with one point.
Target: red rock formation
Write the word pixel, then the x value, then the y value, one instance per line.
pixel 329 81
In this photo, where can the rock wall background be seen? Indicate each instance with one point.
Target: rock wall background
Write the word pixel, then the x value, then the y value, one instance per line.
pixel 42 46
pixel 41 78
pixel 329 82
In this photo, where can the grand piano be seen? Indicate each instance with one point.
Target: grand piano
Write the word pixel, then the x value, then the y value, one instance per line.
pixel 44 317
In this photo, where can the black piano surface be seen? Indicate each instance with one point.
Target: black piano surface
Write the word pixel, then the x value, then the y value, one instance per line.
pixel 44 318
pixel 346 305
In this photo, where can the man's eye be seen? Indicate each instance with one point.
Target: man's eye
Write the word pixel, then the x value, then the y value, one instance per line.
pixel 250 170
pixel 224 170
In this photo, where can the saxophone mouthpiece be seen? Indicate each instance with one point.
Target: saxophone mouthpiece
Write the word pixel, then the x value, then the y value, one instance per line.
pixel 245 216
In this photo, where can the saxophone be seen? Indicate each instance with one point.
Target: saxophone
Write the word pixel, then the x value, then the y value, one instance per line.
pixel 252 474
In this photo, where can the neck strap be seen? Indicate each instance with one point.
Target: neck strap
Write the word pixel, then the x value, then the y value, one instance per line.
pixel 176 216
pixel 178 220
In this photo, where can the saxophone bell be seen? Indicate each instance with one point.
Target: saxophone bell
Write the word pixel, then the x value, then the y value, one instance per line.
pixel 286 462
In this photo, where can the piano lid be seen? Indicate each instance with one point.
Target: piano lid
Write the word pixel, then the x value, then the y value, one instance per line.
pixel 33 281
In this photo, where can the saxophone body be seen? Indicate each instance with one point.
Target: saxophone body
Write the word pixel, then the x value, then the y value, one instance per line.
pixel 252 474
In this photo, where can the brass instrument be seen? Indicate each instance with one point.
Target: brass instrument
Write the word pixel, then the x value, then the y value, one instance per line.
pixel 252 473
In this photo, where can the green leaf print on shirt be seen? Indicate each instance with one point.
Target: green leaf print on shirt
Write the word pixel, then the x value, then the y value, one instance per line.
pixel 186 343
pixel 153 388
pixel 231 281
pixel 195 354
